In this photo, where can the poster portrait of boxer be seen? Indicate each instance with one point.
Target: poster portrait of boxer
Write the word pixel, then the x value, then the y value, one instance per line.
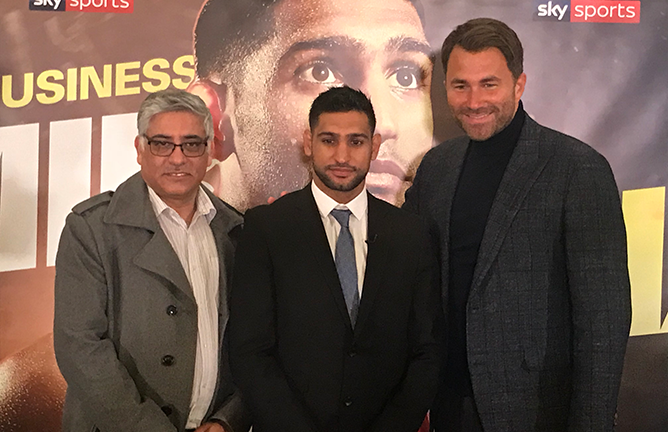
pixel 260 64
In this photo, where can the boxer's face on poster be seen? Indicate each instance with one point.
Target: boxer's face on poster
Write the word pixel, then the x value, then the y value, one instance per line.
pixel 377 46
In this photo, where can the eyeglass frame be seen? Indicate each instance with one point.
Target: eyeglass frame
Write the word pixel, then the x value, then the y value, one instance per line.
pixel 204 142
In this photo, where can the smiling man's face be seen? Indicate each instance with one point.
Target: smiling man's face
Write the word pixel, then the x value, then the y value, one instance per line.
pixel 377 46
pixel 482 92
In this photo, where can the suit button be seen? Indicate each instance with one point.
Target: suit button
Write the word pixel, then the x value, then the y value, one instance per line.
pixel 172 310
pixel 352 354
pixel 348 402
pixel 167 360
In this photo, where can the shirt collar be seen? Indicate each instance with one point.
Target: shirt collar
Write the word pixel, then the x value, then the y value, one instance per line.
pixel 357 206
pixel 203 205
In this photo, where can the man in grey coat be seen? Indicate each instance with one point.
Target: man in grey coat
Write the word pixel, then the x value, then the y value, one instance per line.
pixel 532 247
pixel 141 288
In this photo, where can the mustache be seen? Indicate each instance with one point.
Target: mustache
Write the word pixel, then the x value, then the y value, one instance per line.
pixel 477 111
pixel 341 165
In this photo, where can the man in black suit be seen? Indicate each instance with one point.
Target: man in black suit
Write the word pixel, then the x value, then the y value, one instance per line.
pixel 334 309
pixel 532 252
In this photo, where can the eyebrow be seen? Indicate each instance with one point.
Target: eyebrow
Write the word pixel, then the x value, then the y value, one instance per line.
pixel 352 135
pixel 486 79
pixel 163 136
pixel 324 43
pixel 397 43
pixel 408 44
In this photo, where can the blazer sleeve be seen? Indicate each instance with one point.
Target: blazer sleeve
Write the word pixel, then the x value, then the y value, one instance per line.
pixel 86 356
pixel 598 280
pixel 408 406
pixel 252 326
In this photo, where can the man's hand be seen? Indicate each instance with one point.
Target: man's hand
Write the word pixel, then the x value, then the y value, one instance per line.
pixel 210 427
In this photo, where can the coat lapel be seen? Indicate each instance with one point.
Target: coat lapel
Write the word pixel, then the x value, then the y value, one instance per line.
pixel 525 165
pixel 315 240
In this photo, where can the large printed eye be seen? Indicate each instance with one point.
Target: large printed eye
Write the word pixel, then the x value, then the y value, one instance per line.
pixel 318 73
pixel 406 77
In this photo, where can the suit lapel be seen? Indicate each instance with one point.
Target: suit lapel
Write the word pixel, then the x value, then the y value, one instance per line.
pixel 525 165
pixel 223 227
pixel 375 259
pixel 309 224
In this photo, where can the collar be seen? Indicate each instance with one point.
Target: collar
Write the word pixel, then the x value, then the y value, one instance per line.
pixel 358 206
pixel 203 205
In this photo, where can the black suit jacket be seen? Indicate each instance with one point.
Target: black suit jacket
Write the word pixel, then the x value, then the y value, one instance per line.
pixel 548 314
pixel 294 354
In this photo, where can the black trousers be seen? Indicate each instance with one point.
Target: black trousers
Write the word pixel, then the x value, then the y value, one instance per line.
pixel 455 413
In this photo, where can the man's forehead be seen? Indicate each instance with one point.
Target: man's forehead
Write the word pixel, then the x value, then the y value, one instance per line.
pixel 373 23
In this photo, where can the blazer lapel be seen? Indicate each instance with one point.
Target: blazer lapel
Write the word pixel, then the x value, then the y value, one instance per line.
pixel 525 165
pixel 314 237
pixel 449 177
pixel 375 259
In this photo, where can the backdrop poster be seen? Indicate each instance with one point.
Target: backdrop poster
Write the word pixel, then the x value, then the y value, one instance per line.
pixel 74 72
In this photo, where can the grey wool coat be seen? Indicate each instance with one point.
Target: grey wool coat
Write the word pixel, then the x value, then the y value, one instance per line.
pixel 125 328
pixel 548 313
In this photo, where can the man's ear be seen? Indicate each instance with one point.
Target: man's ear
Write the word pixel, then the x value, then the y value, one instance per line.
pixel 138 148
pixel 306 143
pixel 214 96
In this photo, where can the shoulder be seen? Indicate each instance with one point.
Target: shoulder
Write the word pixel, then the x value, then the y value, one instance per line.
pixel 93 205
pixel 446 149
pixel 402 220
pixel 564 147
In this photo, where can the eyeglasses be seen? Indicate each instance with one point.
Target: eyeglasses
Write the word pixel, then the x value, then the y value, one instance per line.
pixel 161 147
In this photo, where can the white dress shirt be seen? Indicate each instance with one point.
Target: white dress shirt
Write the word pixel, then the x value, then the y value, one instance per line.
pixel 196 248
pixel 359 207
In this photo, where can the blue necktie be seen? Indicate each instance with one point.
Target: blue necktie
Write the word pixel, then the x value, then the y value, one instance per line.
pixel 344 258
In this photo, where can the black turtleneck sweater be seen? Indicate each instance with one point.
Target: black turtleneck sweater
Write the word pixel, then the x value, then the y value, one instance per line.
pixel 483 167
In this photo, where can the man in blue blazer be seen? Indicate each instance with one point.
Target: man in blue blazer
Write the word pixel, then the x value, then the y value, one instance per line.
pixel 334 307
pixel 532 253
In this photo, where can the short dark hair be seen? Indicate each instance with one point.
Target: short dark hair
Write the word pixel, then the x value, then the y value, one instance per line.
pixel 341 99
pixel 480 34
pixel 229 30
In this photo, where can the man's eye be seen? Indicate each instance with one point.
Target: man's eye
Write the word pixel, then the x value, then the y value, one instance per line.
pixel 318 73
pixel 406 78
pixel 164 144
pixel 357 142
pixel 193 145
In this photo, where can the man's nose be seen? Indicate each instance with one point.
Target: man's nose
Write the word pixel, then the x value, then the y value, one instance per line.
pixel 476 98
pixel 342 152
pixel 177 157
pixel 384 105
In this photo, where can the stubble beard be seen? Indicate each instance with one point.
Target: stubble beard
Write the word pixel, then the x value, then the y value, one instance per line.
pixel 504 115
pixel 331 184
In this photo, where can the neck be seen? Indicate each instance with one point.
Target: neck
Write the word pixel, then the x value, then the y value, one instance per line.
pixel 341 197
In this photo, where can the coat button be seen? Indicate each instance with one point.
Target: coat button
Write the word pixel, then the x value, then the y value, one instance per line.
pixel 172 310
pixel 167 360
pixel 348 402
pixel 352 353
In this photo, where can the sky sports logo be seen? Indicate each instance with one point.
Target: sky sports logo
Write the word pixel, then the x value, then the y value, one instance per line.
pixel 591 11
pixel 108 6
